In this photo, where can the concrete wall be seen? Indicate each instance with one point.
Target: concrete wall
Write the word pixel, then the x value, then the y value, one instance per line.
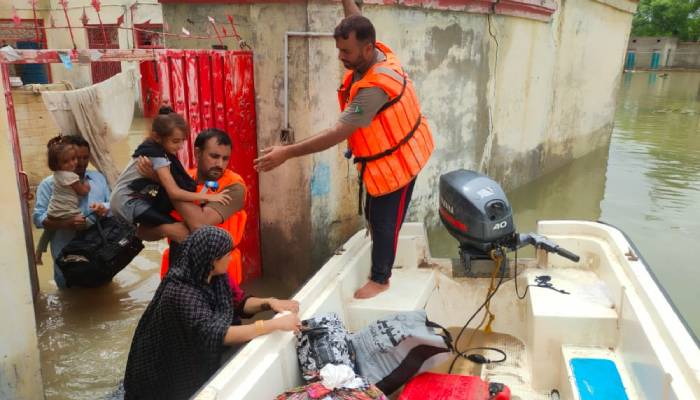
pixel 20 374
pixel 687 55
pixel 35 127
pixel 515 97
pixel 555 88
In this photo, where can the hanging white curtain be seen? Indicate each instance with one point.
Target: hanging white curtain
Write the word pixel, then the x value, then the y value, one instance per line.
pixel 101 113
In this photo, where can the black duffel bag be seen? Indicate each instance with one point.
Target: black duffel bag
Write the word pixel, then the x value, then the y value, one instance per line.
pixel 98 253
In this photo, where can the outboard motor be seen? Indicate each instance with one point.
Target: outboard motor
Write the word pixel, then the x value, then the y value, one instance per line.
pixel 475 210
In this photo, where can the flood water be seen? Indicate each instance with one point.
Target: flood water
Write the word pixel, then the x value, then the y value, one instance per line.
pixel 647 184
pixel 84 335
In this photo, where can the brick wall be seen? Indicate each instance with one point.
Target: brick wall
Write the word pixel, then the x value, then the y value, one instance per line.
pixel 35 127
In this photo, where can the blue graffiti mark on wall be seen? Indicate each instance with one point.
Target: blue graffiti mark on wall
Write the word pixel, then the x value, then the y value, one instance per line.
pixel 321 180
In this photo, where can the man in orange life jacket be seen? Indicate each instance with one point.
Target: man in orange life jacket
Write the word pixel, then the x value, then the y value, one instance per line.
pixel 386 133
pixel 212 151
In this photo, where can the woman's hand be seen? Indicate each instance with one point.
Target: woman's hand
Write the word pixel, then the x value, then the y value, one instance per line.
pixel 278 305
pixel 289 322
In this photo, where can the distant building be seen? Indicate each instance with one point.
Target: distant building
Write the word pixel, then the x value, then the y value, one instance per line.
pixel 48 31
pixel 658 52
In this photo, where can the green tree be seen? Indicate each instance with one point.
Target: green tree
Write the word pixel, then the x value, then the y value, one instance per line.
pixel 679 18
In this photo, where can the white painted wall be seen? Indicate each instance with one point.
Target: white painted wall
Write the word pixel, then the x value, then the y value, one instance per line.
pixel 20 371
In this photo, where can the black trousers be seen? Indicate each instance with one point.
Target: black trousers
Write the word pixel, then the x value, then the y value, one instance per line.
pixel 385 215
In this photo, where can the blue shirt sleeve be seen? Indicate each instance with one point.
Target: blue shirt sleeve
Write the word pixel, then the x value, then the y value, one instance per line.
pixel 99 189
pixel 105 190
pixel 41 207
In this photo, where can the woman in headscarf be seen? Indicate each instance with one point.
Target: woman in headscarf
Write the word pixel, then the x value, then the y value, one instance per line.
pixel 185 329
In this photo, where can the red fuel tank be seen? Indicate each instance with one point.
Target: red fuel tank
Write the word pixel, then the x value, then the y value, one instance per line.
pixel 431 386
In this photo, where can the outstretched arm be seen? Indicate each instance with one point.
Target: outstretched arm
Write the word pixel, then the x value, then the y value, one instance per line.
pixel 351 8
pixel 276 155
pixel 245 333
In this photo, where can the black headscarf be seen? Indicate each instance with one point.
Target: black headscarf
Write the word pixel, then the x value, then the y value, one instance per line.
pixel 196 256
pixel 179 339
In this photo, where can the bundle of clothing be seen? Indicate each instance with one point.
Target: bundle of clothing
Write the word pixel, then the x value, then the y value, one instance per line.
pixel 377 359
pixel 335 382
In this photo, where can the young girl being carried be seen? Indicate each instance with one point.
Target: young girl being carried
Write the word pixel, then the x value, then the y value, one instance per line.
pixel 143 201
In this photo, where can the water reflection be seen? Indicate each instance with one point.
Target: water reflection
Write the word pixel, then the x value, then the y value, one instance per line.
pixel 653 179
pixel 84 334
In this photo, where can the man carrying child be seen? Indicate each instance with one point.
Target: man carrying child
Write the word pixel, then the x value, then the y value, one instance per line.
pixel 97 200
pixel 213 151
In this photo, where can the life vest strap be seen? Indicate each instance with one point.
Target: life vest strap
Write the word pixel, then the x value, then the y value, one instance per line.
pixel 395 99
pixel 364 160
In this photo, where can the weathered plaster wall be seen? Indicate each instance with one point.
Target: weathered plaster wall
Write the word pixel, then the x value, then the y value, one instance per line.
pixel 36 128
pixel 510 96
pixel 450 68
pixel 686 55
pixel 555 88
pixel 20 374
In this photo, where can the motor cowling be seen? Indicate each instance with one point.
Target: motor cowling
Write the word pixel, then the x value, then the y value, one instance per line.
pixel 475 210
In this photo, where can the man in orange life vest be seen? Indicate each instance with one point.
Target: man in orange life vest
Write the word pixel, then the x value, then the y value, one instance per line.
pixel 212 151
pixel 386 133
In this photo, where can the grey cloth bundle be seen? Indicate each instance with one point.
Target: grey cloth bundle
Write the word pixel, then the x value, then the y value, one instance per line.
pixel 392 350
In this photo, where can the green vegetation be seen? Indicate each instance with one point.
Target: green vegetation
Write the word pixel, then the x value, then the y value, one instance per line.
pixel 678 18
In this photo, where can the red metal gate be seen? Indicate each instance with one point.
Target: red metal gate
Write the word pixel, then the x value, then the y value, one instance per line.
pixel 214 88
pixel 148 38
pixel 96 40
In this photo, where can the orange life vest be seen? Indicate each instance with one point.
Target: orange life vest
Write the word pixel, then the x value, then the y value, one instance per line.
pixel 392 150
pixel 234 225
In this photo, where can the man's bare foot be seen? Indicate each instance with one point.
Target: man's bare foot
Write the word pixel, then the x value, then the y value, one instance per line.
pixel 370 289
